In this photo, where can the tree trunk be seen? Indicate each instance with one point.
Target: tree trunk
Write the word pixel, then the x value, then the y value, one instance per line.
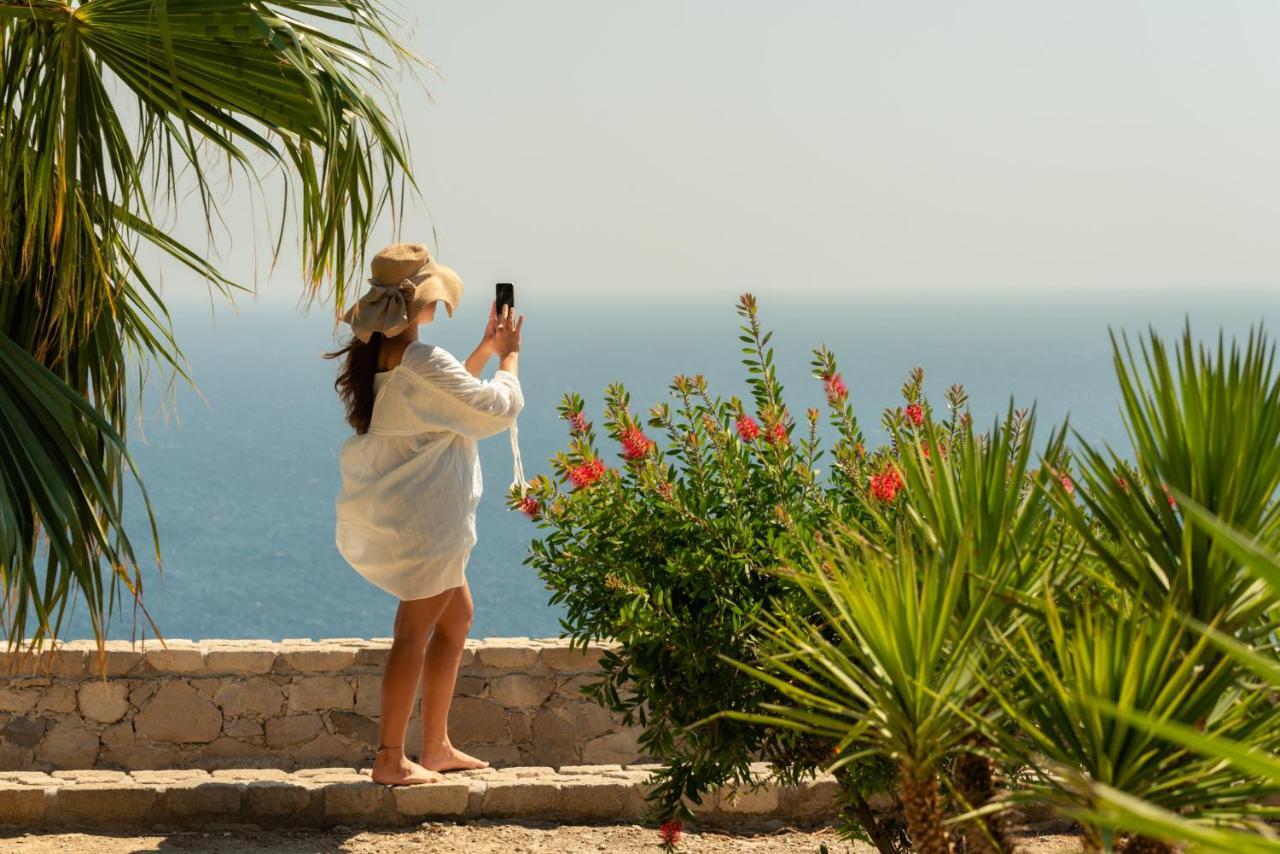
pixel 880 838
pixel 922 804
pixel 975 777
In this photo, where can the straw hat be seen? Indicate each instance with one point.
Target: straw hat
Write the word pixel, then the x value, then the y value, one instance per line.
pixel 405 280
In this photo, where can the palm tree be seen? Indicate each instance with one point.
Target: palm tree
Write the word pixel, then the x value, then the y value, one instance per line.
pixel 107 109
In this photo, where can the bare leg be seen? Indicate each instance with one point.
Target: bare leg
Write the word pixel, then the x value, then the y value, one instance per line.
pixel 415 620
pixel 438 679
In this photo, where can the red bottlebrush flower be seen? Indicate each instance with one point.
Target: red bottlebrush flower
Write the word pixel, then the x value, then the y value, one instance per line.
pixel 530 506
pixel 635 444
pixel 581 476
pixel 587 473
pixel 578 423
pixel 776 434
pixel 1068 484
pixel 915 412
pixel 671 831
pixel 885 484
pixel 664 489
pixel 836 391
pixel 942 451
pixel 748 429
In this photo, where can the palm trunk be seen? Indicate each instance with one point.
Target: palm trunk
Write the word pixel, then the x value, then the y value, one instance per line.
pixel 922 804
pixel 975 778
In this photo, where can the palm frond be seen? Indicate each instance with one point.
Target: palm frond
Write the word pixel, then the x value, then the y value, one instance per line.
pixel 297 85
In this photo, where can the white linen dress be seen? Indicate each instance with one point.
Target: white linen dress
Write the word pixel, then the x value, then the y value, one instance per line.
pixel 406 510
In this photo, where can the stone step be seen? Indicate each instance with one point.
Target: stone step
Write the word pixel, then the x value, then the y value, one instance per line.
pixel 324 797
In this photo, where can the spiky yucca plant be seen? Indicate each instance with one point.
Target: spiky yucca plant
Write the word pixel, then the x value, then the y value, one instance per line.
pixel 1204 427
pixel 1099 658
pixel 1016 528
pixel 1254 754
pixel 888 678
pixel 892 666
pixel 1204 422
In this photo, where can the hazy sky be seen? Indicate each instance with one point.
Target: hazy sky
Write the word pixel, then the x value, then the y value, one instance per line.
pixel 880 148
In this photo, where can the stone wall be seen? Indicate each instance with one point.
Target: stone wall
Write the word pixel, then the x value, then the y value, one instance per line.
pixel 289 705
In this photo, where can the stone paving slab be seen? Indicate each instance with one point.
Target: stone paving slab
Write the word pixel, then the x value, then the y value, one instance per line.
pixel 325 797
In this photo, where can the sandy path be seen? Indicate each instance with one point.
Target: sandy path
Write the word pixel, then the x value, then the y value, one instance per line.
pixel 478 837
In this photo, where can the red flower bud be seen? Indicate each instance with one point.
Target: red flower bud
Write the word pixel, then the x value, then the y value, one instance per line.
pixel 836 391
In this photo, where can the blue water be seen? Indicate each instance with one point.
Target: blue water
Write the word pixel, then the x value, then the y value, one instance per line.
pixel 243 480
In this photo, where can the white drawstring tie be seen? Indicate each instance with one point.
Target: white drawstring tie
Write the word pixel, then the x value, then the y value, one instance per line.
pixel 518 473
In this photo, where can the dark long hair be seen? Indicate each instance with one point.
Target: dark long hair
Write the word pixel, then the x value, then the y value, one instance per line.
pixel 355 380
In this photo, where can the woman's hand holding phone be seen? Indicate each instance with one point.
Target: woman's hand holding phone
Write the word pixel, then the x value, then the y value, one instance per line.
pixel 506 330
pixel 511 323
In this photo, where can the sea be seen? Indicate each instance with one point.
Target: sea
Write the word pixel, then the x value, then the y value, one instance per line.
pixel 242 469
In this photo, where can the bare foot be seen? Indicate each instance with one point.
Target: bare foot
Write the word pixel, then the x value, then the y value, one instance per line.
pixel 393 768
pixel 450 758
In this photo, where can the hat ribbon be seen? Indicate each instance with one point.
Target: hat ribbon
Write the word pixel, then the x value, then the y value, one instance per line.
pixel 382 308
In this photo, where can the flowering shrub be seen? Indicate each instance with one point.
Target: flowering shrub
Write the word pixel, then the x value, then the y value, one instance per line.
pixel 674 551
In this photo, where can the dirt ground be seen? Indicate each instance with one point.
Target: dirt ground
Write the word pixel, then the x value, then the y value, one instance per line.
pixel 479 837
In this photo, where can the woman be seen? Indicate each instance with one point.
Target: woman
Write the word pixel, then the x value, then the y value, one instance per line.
pixel 411 482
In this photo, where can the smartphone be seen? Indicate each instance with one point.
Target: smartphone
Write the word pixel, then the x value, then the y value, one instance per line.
pixel 504 294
